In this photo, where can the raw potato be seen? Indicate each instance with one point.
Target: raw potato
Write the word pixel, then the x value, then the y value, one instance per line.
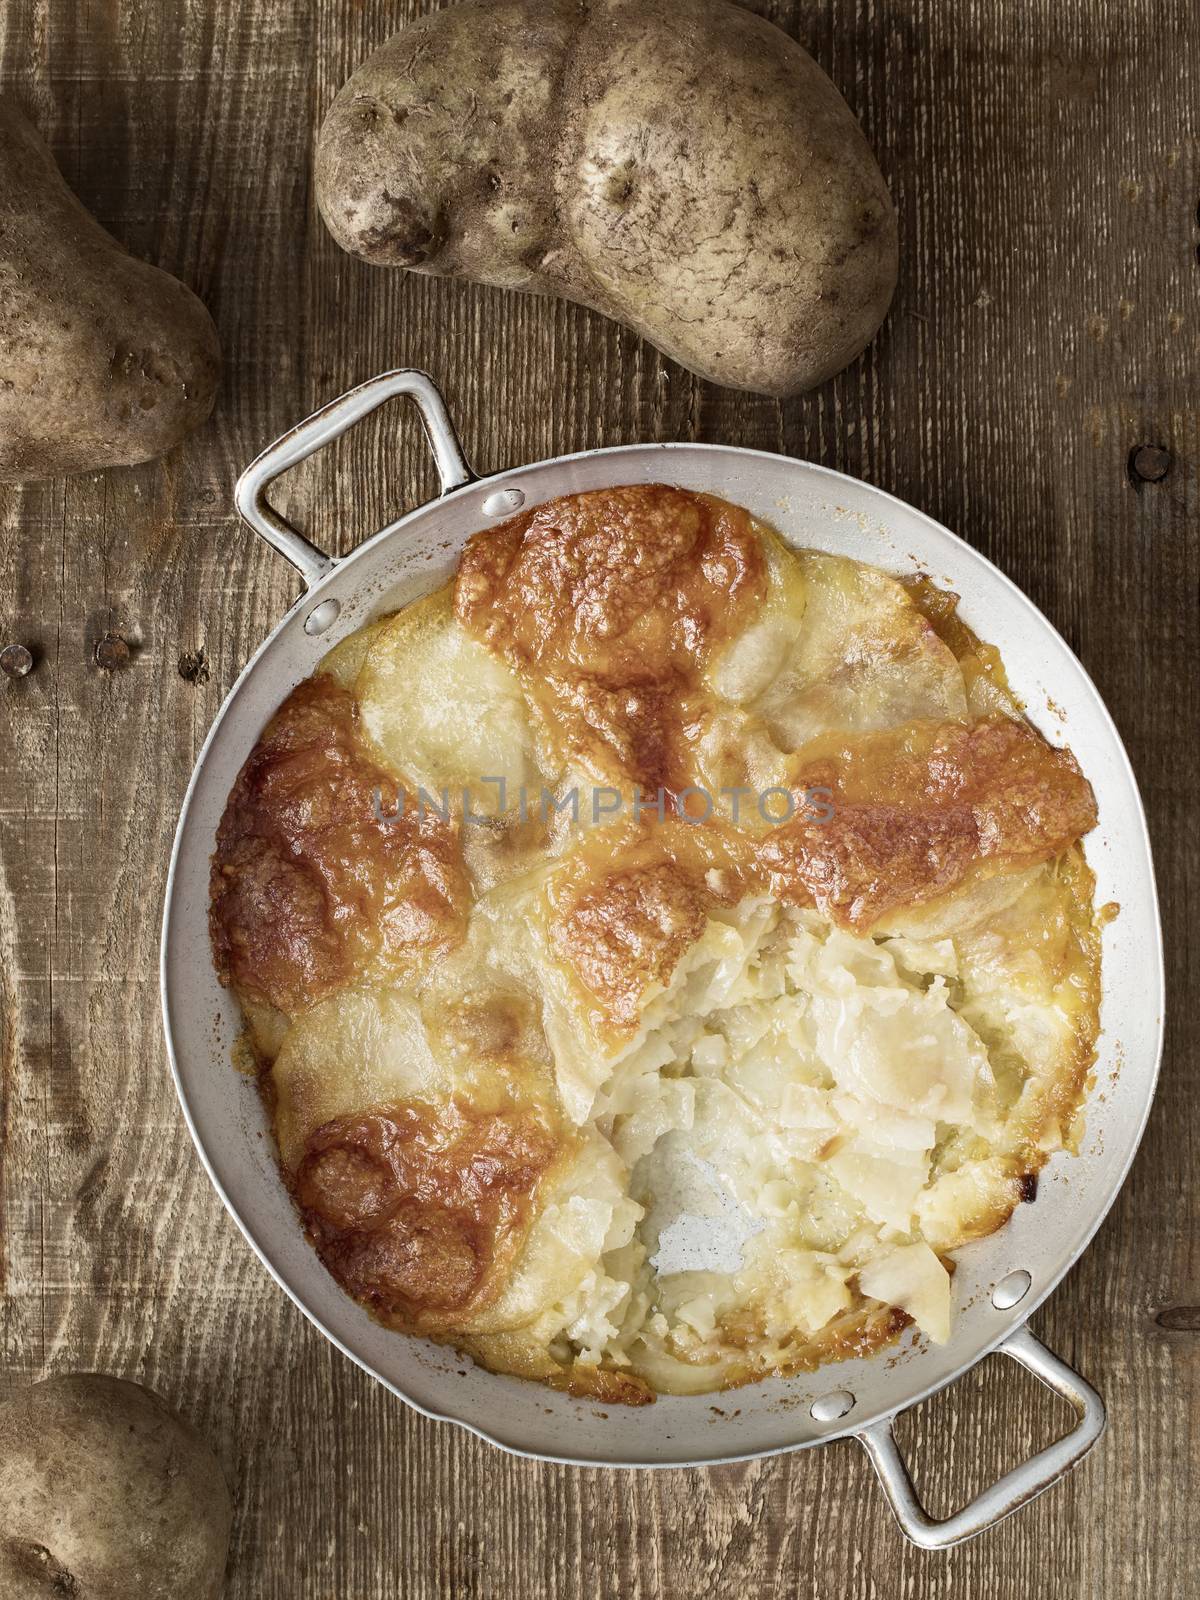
pixel 105 1494
pixel 104 360
pixel 680 165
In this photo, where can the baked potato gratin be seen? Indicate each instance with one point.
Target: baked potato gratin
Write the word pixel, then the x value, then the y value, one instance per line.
pixel 653 870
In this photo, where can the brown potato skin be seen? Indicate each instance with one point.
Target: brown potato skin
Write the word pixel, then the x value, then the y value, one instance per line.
pixel 106 1493
pixel 679 165
pixel 104 359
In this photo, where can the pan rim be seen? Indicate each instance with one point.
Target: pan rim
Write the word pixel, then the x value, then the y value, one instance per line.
pixel 1009 1323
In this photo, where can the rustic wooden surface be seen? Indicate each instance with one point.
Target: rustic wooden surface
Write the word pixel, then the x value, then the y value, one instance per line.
pixel 1045 159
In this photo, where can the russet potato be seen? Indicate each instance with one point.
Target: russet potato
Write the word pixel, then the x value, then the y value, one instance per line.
pixel 104 359
pixel 106 1494
pixel 680 165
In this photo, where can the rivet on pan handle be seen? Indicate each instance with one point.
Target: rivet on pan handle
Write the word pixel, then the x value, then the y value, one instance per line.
pixel 320 429
pixel 1015 1488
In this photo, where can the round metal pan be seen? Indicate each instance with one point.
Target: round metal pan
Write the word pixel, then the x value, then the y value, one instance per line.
pixel 998 1281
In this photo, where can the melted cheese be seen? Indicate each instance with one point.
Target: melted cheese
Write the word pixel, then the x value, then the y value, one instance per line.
pixel 443 712
pixel 864 658
pixel 659 1105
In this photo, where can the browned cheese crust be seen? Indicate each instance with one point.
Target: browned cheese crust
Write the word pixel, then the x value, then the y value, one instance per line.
pixel 609 605
pixel 609 610
pixel 309 883
pixel 417 1210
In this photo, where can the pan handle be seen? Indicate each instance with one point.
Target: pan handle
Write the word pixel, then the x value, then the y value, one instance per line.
pixel 324 425
pixel 1015 1488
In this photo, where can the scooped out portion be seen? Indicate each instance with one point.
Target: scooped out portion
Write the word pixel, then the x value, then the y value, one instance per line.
pixel 663 948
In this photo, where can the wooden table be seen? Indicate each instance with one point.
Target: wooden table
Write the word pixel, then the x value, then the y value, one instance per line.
pixel 1045 159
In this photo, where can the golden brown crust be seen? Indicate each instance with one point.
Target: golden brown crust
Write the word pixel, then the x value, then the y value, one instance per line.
pixel 308 883
pixel 514 1356
pixel 609 604
pixel 912 814
pixel 604 1385
pixel 609 609
pixel 857 1333
pixel 417 1210
pixel 627 933
pixel 916 809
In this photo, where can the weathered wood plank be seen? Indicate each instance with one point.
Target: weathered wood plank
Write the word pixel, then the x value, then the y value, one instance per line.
pixel 1046 163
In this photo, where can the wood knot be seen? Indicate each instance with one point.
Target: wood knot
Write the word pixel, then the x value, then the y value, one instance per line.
pixel 1179 1319
pixel 193 666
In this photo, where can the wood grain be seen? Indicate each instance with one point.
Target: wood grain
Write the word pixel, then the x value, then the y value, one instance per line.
pixel 1045 159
